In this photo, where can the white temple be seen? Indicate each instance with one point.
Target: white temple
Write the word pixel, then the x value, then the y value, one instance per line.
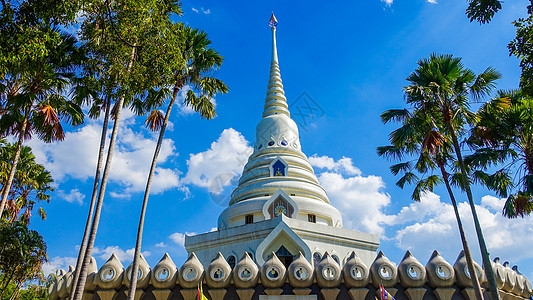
pixel 279 206
pixel 280 238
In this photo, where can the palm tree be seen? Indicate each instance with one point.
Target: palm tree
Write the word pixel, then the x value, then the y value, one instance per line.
pixel 31 184
pixel 199 61
pixel 442 86
pixel 504 134
pixel 87 94
pixel 127 41
pixel 34 101
pixel 420 138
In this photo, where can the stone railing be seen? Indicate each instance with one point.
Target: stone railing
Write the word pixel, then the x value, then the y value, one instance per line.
pixel 410 280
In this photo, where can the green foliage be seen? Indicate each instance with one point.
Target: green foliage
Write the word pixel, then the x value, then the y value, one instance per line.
pixel 22 253
pixel 439 93
pixel 522 48
pixel 32 184
pixel 483 10
pixel 504 136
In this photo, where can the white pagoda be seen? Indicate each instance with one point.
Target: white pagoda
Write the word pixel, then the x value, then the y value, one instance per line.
pixel 278 205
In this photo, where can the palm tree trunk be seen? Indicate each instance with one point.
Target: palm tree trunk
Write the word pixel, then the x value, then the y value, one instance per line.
pixel 136 257
pixel 466 248
pixel 16 292
pixel 6 285
pixel 83 246
pixel 487 266
pixel 94 228
pixel 9 182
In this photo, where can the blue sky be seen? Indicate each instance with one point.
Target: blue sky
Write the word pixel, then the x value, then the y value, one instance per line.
pixel 351 59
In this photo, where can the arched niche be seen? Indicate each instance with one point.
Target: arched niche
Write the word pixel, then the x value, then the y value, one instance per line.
pixel 278 167
pixel 280 203
pixel 282 237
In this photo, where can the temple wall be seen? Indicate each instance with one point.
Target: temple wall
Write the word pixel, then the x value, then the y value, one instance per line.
pixel 409 280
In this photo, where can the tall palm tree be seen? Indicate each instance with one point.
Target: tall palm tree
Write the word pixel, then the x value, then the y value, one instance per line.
pixel 199 61
pixel 127 41
pixel 443 86
pixel 420 139
pixel 504 135
pixel 87 94
pixel 34 101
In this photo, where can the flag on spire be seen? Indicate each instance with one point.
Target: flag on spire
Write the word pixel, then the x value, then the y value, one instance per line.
pixel 273 22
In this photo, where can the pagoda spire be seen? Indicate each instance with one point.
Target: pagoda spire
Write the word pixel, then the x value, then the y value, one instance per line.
pixel 275 102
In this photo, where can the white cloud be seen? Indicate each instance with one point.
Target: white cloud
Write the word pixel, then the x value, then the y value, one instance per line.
pixel 432 1
pixel 76 156
pixel 58 263
pixel 433 220
pixel 387 2
pixel 179 238
pixel 74 196
pixel 343 165
pixel 125 256
pixel 493 203
pixel 204 11
pixel 227 155
pixel 360 199
pixel 161 245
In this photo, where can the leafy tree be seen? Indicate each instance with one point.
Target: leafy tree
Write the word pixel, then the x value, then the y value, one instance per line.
pixel 441 86
pixel 31 184
pixel 504 135
pixel 22 253
pixel 483 10
pixel 426 148
pixel 198 62
pixel 33 97
pixel 521 47
pixel 132 48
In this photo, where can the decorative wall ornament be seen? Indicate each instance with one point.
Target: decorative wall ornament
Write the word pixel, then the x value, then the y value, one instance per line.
pixel 510 277
pixel 499 272
pixel 191 273
pixel 356 273
pixel 519 286
pixel 218 274
pixel 300 272
pixel 462 274
pixel 383 271
pixel 63 283
pixel 245 273
pixel 273 273
pixel 165 273
pixel 90 284
pixel 110 275
pixel 328 272
pixel 439 272
pixel 411 272
pixel 143 275
pixel 166 279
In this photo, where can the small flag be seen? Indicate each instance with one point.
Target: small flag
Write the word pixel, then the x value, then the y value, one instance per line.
pixel 273 22
pixel 385 295
pixel 201 295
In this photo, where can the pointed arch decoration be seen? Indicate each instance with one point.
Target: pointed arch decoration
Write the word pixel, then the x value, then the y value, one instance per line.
pixel 278 167
pixel 280 204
